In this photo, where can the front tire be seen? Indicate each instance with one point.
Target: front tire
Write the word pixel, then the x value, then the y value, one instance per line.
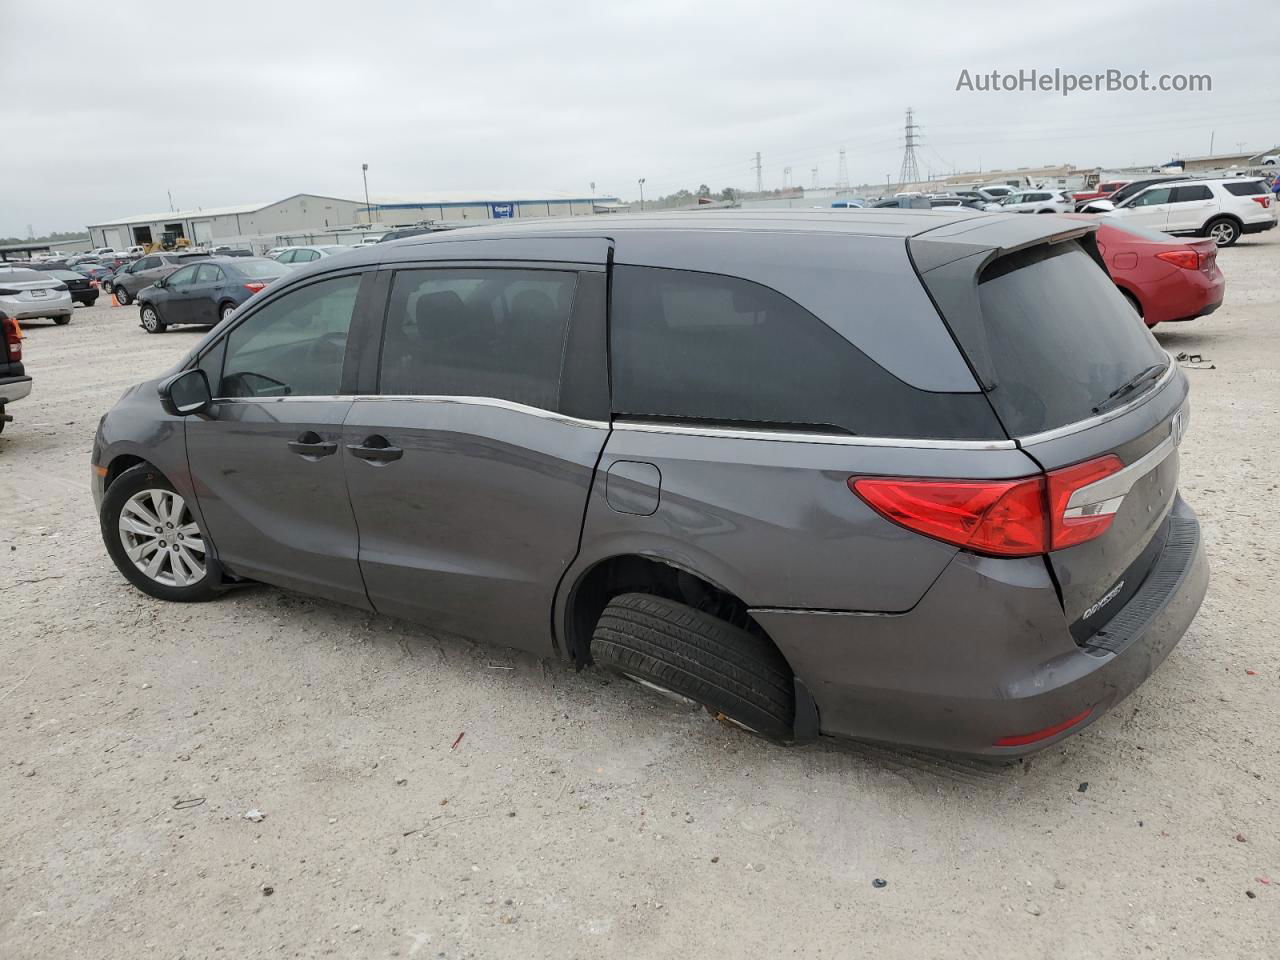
pixel 675 649
pixel 1223 231
pixel 154 539
pixel 63 320
pixel 122 296
pixel 151 321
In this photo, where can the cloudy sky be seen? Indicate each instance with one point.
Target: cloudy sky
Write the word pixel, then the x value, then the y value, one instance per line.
pixel 230 102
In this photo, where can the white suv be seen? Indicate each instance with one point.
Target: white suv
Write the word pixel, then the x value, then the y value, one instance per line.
pixel 1220 209
pixel 1033 201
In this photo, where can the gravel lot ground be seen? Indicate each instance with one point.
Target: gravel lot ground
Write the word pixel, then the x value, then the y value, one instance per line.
pixel 578 818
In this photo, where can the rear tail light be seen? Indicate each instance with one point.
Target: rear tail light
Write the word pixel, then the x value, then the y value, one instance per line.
pixel 255 286
pixel 1186 259
pixel 1003 518
pixel 1263 201
pixel 12 338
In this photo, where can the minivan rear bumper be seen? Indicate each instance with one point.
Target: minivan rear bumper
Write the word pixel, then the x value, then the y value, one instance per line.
pixel 986 654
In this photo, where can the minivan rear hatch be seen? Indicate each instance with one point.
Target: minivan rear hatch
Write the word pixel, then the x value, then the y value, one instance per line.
pixel 1085 390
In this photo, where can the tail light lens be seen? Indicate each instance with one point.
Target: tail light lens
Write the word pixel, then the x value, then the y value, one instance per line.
pixel 1003 518
pixel 255 286
pixel 1069 523
pixel 1263 201
pixel 12 338
pixel 1186 259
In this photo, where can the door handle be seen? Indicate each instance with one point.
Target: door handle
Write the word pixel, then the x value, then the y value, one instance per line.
pixel 376 450
pixel 311 446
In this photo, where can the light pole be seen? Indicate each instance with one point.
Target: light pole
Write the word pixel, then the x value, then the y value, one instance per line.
pixel 593 196
pixel 368 211
pixel 641 194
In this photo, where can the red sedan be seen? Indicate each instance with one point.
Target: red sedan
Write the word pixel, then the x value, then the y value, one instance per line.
pixel 1165 278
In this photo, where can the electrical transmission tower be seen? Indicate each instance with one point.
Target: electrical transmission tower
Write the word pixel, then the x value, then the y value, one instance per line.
pixel 759 175
pixel 842 172
pixel 910 172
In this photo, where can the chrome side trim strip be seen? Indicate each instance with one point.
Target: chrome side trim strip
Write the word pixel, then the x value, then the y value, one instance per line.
pixel 491 402
pixel 739 433
pixel 1105 495
pixel 1081 425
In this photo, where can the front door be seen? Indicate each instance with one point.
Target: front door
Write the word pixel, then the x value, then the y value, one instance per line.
pixel 469 471
pixel 1149 209
pixel 201 300
pixel 266 462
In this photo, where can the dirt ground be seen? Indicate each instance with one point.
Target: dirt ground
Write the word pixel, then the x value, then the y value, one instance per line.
pixel 431 798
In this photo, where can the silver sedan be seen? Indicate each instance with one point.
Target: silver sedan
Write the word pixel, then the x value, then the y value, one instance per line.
pixel 29 295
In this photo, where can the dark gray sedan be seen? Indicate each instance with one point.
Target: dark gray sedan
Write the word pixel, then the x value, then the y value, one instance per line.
pixel 205 292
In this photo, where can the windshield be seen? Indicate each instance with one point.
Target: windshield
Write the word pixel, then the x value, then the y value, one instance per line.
pixel 1061 337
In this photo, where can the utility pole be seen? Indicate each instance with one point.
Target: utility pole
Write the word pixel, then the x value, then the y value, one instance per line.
pixel 759 175
pixel 1212 134
pixel 910 172
pixel 786 177
pixel 368 209
pixel 641 182
pixel 172 208
pixel 842 172
pixel 814 171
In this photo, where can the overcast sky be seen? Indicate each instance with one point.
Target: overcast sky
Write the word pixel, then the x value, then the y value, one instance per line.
pixel 225 103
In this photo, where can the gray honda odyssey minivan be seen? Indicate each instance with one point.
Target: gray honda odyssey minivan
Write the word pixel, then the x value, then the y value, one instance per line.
pixel 896 475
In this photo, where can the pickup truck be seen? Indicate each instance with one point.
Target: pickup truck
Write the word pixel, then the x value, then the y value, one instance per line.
pixel 14 383
pixel 1103 190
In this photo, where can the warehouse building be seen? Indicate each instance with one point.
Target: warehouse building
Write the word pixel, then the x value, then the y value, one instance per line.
pixel 392 211
pixel 310 218
pixel 247 225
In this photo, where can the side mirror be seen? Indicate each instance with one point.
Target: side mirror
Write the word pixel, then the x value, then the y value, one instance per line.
pixel 186 393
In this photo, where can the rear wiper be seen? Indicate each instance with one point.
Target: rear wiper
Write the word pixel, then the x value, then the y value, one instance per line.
pixel 1130 385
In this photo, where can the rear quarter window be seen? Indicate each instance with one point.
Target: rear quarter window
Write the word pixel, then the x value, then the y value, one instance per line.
pixel 706 348
pixel 1247 188
pixel 1060 336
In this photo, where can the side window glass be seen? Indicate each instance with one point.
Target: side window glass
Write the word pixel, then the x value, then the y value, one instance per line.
pixel 1151 197
pixel 208 273
pixel 286 257
pixel 477 333
pixel 726 351
pixel 305 256
pixel 293 346
pixel 1187 194
pixel 182 277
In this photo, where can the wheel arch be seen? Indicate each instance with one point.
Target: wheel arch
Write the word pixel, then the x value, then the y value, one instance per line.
pixel 607 577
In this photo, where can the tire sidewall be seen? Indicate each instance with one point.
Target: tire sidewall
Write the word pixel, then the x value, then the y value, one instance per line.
pixel 122 295
pixel 158 325
pixel 132 481
pixel 1235 231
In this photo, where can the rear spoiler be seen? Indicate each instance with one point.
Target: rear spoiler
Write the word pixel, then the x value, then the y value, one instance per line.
pixel 950 260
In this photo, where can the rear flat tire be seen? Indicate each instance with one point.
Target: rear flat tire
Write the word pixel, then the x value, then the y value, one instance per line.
pixel 677 650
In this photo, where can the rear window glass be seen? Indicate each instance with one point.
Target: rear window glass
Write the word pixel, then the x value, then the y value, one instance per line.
pixel 1248 188
pixel 21 276
pixel 1060 335
pixel 707 348
pixel 259 269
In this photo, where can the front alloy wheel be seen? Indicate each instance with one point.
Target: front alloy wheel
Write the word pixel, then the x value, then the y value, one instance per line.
pixel 153 536
pixel 151 321
pixel 162 539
